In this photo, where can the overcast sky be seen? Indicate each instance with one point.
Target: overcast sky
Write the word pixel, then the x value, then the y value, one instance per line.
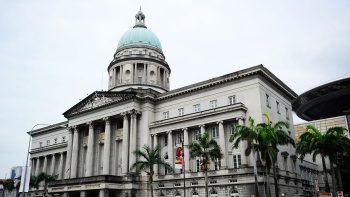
pixel 54 53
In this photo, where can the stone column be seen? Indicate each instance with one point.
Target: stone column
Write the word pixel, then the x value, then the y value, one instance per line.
pixel 107 146
pixel 69 152
pixel 121 74
pixel 155 145
pixel 75 154
pixel 144 73
pixel 90 150
pixel 37 166
pixel 242 145
pixel 132 157
pixel 186 151
pixel 53 161
pixel 158 76
pixel 170 149
pixel 222 139
pixel 125 151
pixel 202 129
pixel 32 166
pixel 45 164
pixel 60 167
pixel 82 193
pixel 103 193
pixel 65 194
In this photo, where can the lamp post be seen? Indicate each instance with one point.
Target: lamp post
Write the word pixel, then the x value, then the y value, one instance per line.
pixel 25 171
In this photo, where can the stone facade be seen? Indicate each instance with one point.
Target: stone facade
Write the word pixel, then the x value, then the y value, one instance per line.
pixel 92 155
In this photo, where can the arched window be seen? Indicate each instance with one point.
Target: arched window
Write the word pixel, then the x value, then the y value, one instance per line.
pixel 177 194
pixel 195 194
pixel 161 195
pixel 234 193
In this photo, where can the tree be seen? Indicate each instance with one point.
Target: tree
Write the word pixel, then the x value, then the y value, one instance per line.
pixel 315 143
pixel 250 135
pixel 207 150
pixel 46 178
pixel 148 158
pixel 278 137
pixel 8 185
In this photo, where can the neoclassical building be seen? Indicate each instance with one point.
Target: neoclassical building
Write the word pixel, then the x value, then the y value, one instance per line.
pixel 93 153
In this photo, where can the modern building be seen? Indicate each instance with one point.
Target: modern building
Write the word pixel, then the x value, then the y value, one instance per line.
pixel 324 106
pixel 93 155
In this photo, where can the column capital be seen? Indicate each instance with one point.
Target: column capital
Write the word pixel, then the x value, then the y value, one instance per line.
pixel 169 132
pixel 202 125
pixel 220 122
pixel 185 129
pixel 154 135
pixel 90 124
pixel 240 118
pixel 106 119
pixel 75 129
pixel 61 153
pixel 124 114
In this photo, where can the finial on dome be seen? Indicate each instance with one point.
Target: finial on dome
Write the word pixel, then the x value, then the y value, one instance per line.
pixel 140 19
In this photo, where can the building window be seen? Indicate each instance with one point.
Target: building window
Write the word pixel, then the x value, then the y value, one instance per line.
pixel 63 138
pixel 165 115
pixel 278 107
pixel 139 79
pixel 198 165
pixel 287 113
pixel 55 140
pixel 196 108
pixel 40 144
pixel 181 111
pixel 236 161
pixel 268 100
pixel 212 182
pixel 231 100
pixel 213 104
pixel 214 132
pixel 194 183
pixel 165 140
pixel 161 185
pixel 179 138
pixel 217 164
pixel 48 142
pixel 197 134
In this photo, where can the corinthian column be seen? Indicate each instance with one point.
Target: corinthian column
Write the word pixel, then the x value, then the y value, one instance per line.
pixel 242 145
pixel 107 146
pixel 202 129
pixel 90 149
pixel 75 154
pixel 125 150
pixel 132 157
pixel 69 152
pixel 155 145
pixel 186 151
pixel 60 166
pixel 53 161
pixel 170 148
pixel 45 164
pixel 37 166
pixel 222 143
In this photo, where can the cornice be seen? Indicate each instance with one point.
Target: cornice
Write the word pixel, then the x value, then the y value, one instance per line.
pixel 139 57
pixel 252 71
pixel 46 148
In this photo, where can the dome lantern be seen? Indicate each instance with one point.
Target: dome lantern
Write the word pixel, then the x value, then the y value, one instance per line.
pixel 140 19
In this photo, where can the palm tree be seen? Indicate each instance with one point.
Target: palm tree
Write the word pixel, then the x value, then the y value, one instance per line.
pixel 207 150
pixel 250 135
pixel 315 143
pixel 8 185
pixel 277 137
pixel 46 178
pixel 149 158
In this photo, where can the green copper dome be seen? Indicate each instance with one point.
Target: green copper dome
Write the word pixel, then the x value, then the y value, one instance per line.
pixel 139 35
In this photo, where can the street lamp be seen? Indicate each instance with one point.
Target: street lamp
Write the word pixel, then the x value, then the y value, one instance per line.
pixel 183 166
pixel 25 171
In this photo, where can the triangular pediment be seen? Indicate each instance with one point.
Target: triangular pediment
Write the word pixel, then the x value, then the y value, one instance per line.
pixel 96 100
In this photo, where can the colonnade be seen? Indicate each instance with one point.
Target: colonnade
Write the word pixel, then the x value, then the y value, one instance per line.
pixel 221 141
pixel 128 145
pixel 36 165
pixel 119 78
